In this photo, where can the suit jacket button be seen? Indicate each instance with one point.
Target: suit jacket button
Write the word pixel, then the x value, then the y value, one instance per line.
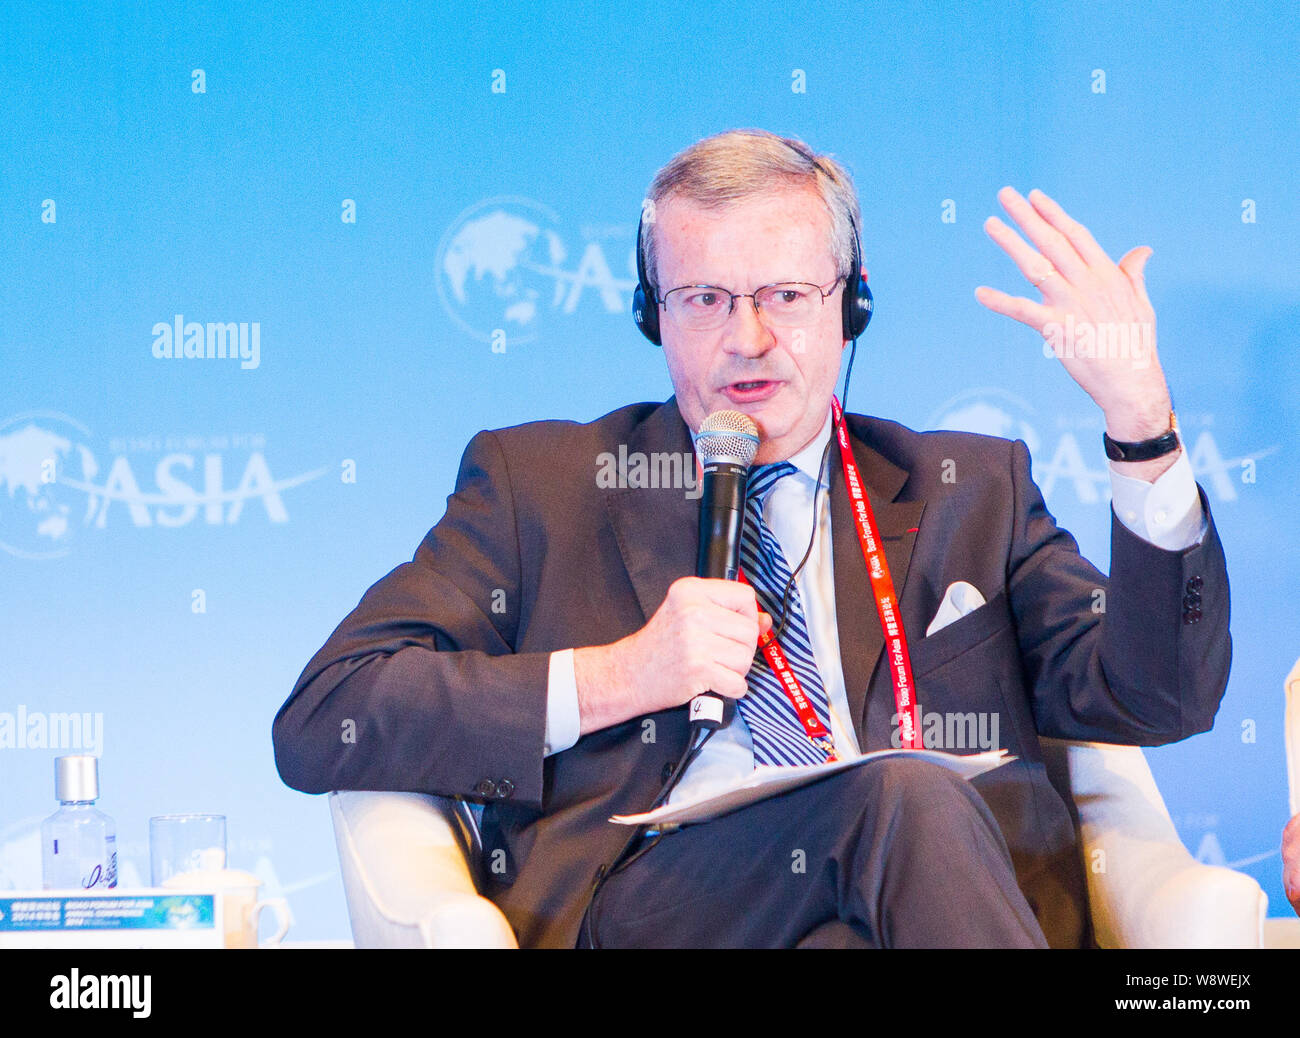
pixel 1195 584
pixel 486 788
pixel 504 788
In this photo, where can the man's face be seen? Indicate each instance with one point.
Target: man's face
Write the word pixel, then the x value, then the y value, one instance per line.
pixel 783 378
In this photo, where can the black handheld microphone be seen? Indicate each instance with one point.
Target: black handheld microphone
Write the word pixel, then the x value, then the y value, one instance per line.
pixel 726 445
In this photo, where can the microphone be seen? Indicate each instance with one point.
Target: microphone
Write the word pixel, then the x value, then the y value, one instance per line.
pixel 726 445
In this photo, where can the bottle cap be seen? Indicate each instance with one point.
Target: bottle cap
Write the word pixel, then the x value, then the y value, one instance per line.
pixel 76 778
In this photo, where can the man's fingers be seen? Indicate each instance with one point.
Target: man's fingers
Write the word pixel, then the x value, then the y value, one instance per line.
pixel 1034 266
pixel 737 630
pixel 1134 267
pixel 1103 271
pixel 726 682
pixel 1026 311
pixel 1050 242
pixel 1077 234
pixel 730 594
pixel 737 657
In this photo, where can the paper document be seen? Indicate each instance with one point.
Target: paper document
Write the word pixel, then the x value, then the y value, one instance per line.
pixel 765 781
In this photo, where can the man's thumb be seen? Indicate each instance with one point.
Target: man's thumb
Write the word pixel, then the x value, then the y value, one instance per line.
pixel 1134 267
pixel 1134 263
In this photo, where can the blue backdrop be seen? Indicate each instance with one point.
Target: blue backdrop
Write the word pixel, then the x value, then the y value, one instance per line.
pixel 367 195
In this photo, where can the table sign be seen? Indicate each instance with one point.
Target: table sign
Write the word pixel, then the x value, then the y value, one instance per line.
pixel 117 918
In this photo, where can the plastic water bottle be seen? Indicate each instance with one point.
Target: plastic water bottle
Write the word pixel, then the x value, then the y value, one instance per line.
pixel 78 841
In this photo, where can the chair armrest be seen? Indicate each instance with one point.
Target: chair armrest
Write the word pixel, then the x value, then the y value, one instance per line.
pixel 405 876
pixel 1144 889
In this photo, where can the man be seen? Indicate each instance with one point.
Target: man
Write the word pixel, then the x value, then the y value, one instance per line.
pixel 537 653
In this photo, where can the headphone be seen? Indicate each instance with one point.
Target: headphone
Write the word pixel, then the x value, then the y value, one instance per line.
pixel 857 304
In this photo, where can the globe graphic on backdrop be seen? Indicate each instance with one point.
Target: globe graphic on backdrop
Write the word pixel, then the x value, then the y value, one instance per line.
pixel 499 265
pixel 990 411
pixel 39 516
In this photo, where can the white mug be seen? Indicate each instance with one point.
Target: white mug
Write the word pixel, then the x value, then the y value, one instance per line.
pixel 240 905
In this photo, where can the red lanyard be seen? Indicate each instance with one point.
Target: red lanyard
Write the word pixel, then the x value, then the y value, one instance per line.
pixel 812 725
pixel 882 588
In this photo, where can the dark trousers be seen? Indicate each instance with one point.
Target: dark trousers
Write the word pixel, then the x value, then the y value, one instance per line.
pixel 893 853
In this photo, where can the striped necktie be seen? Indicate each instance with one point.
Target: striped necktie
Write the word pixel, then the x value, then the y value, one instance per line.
pixel 778 736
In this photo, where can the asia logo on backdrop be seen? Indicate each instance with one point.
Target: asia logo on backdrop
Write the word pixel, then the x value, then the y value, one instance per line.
pixel 504 266
pixel 53 486
pixel 1067 456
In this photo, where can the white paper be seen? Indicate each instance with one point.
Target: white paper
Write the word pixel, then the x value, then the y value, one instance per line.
pixel 765 781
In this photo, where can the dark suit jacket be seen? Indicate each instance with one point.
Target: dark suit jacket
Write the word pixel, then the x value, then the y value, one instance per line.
pixel 443 665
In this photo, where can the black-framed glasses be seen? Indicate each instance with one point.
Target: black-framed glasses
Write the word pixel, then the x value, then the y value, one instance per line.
pixel 788 304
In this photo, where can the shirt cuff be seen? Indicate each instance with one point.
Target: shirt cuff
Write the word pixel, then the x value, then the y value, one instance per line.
pixel 563 720
pixel 1166 513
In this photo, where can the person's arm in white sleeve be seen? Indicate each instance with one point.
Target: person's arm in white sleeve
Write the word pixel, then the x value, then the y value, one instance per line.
pixel 1166 513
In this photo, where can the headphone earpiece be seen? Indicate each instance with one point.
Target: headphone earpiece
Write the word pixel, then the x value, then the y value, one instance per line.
pixel 858 302
pixel 645 305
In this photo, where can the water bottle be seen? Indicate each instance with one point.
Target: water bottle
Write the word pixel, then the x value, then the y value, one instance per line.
pixel 78 841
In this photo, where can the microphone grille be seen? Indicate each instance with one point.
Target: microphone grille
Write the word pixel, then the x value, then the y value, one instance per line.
pixel 727 436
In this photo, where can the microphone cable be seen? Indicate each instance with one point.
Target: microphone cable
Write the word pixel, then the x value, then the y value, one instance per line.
pixel 821 475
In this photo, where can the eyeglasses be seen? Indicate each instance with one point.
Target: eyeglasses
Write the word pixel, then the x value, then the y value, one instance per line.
pixel 790 304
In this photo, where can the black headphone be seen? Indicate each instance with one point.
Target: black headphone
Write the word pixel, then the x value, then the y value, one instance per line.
pixel 858 304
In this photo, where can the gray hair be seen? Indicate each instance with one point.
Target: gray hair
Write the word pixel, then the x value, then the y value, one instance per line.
pixel 739 164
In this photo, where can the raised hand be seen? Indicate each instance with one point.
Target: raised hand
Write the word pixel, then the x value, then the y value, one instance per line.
pixel 1094 314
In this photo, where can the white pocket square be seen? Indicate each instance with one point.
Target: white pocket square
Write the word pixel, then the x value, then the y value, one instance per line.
pixel 960 598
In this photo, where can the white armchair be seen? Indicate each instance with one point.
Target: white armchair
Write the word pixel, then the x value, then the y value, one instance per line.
pixel 406 874
pixel 409 883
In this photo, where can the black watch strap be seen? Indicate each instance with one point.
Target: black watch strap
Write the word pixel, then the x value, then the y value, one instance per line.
pixel 1143 450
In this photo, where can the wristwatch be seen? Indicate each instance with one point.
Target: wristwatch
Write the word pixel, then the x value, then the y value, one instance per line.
pixel 1143 450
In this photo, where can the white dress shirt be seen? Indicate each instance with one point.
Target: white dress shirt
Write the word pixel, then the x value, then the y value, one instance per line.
pixel 1166 513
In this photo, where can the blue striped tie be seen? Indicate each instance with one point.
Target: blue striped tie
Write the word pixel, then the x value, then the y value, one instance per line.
pixel 778 736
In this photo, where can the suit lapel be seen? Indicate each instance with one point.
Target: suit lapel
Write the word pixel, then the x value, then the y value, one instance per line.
pixel 858 623
pixel 657 528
